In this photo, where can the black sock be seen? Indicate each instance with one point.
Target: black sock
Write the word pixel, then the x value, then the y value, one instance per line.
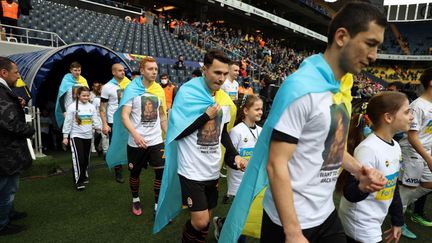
pixel 203 234
pixel 157 183
pixel 190 234
pixel 134 186
pixel 419 205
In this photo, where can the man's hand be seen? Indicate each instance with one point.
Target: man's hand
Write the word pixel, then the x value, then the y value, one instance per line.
pixel 65 141
pixel 370 179
pixel 393 234
pixel 241 163
pixel 140 141
pixel 22 101
pixel 106 129
pixel 212 111
pixel 295 238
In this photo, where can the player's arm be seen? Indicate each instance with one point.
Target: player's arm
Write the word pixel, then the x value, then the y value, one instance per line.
pixel 414 140
pixel 210 113
pixel 102 112
pixel 370 179
pixel 163 120
pixel 125 114
pixel 281 151
pixel 232 157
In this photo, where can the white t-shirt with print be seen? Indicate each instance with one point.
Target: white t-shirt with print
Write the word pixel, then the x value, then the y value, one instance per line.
pixel 422 122
pixel 362 220
pixel 89 120
pixel 321 128
pixel 69 97
pixel 244 140
pixel 199 154
pixel 145 119
pixel 113 93
pixel 231 88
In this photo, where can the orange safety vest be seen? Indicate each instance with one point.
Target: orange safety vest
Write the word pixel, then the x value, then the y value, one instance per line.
pixel 173 24
pixel 245 91
pixel 10 10
pixel 169 93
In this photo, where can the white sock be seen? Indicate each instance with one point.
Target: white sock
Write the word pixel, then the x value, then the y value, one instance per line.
pixel 135 199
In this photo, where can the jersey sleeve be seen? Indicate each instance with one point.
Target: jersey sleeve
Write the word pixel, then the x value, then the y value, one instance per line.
pixel 105 92
pixel 417 117
pixel 235 138
pixel 295 117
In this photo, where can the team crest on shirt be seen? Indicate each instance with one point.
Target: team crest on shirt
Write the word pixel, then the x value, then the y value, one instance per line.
pixel 387 163
pixel 245 140
pixel 189 202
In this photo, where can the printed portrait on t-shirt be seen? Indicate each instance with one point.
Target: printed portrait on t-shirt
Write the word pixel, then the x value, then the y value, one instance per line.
pixel 75 91
pixel 119 95
pixel 335 142
pixel 149 109
pixel 208 135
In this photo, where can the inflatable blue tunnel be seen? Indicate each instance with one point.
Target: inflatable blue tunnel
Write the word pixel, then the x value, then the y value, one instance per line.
pixel 43 70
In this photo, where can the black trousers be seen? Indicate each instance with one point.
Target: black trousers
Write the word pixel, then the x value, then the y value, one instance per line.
pixel 80 158
pixel 331 231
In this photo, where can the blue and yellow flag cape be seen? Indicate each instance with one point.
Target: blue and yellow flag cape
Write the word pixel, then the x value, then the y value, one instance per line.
pixel 67 83
pixel 191 101
pixel 123 83
pixel 313 76
pixel 117 151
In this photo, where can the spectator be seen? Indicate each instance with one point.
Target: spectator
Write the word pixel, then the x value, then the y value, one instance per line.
pixel 169 88
pixel 179 65
pixel 9 13
pixel 14 152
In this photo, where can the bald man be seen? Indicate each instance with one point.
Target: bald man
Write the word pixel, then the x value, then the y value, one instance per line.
pixel 110 98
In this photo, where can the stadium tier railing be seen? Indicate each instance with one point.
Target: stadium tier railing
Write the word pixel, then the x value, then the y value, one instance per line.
pixel 33 36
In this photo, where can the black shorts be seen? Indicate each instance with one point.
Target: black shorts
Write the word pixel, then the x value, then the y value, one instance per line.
pixel 199 195
pixel 141 158
pixel 331 231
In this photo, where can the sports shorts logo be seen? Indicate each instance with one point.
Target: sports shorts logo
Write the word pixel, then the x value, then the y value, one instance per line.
pixel 130 166
pixel 189 202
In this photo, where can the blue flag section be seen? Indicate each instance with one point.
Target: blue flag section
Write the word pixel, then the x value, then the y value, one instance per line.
pixel 117 151
pixel 313 76
pixel 67 83
pixel 191 101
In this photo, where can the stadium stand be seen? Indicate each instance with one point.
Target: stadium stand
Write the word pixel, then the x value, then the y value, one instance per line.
pixel 77 25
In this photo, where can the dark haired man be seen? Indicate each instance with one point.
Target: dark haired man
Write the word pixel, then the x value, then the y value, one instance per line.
pixel 199 126
pixel 14 153
pixel 293 146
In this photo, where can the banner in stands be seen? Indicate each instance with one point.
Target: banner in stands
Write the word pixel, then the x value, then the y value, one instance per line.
pixel 273 18
pixel 160 60
pixel 404 57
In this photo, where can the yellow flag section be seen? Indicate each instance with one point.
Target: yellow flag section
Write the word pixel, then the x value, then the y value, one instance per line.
pixel 253 223
pixel 157 90
pixel 223 99
pixel 82 81
pixel 124 83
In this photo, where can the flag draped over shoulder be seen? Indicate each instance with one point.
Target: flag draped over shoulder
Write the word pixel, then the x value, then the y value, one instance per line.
pixel 123 83
pixel 191 101
pixel 117 151
pixel 67 83
pixel 313 76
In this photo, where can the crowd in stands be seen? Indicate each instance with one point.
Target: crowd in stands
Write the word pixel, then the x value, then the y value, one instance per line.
pixel 395 73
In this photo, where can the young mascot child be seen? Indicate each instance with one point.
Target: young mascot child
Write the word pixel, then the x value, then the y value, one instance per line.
pixel 244 137
pixel 81 117
pixel 362 214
